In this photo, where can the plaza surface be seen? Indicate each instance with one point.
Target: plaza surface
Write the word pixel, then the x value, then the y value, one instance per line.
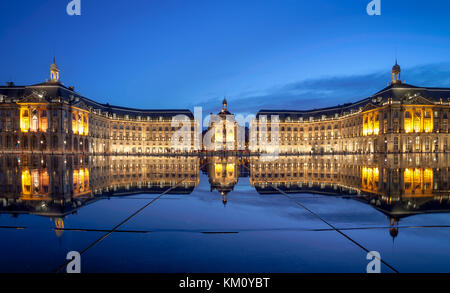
pixel 242 231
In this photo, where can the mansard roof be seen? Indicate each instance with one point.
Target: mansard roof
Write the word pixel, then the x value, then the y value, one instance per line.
pixel 399 92
pixel 316 113
pixel 55 90
pixel 403 92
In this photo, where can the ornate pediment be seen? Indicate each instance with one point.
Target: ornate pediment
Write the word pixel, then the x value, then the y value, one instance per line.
pixel 369 107
pixel 418 100
pixel 36 96
pixel 80 104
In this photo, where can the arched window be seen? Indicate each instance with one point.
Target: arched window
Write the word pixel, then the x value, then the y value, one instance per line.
pixel 34 121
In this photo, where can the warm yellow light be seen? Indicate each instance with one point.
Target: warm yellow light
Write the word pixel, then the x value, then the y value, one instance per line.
pixel 219 137
pixel 86 126
pixel 218 169
pixel 370 178
pixel 80 126
pixel 407 127
pixel 24 120
pixel 26 182
pixel 428 125
pixel 230 168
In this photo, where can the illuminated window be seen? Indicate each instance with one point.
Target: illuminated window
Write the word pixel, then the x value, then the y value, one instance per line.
pixel 34 121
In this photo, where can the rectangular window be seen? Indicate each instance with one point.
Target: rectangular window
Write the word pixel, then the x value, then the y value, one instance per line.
pixel 408 144
pixel 427 144
pixel 395 143
pixel 417 143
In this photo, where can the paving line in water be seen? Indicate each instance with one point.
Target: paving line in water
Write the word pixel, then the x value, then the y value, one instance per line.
pixel 331 226
pixel 120 224
pixel 206 231
pixel 328 224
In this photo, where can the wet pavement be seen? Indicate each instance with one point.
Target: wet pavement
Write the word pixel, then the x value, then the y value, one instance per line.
pixel 225 214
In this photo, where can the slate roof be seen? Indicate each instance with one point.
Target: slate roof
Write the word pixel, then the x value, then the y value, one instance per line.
pixel 53 90
pixel 399 92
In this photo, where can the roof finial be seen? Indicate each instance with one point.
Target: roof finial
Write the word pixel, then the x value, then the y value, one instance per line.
pixel 396 70
pixel 54 71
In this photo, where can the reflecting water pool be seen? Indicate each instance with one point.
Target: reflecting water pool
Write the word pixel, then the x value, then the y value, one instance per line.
pixel 225 214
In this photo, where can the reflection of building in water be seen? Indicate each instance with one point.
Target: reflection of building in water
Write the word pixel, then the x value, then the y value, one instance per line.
pixel 224 172
pixel 127 175
pixel 398 186
pixel 56 186
pixel 400 118
pixel 50 117
pixel 53 187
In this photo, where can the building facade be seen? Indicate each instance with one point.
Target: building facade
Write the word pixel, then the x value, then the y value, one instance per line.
pixel 400 118
pixel 52 118
pixel 224 132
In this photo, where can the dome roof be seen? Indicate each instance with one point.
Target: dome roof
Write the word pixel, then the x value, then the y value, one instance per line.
pixel 224 110
pixel 396 67
pixel 54 67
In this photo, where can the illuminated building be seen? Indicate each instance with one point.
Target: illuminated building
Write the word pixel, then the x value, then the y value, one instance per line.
pixel 57 186
pixel 223 174
pixel 399 186
pixel 52 118
pixel 224 133
pixel 398 119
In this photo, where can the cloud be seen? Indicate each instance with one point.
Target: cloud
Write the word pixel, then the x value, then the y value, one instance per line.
pixel 329 90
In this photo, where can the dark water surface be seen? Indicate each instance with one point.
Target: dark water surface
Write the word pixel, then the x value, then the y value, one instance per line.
pixel 225 214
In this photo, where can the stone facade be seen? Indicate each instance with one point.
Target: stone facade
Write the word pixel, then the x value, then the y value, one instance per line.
pixel 399 119
pixel 52 118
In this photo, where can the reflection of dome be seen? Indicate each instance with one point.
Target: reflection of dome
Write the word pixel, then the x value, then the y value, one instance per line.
pixel 393 232
pixel 59 233
pixel 224 198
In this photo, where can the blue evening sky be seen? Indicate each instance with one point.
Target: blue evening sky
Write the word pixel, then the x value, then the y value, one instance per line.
pixel 288 54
